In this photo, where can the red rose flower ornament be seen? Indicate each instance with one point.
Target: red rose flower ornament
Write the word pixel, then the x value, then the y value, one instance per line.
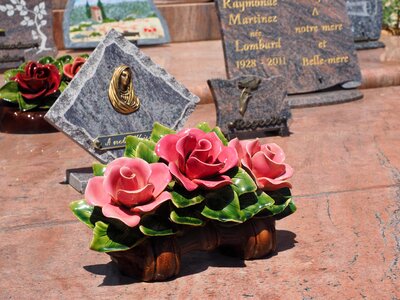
pixel 38 80
pixel 70 70
pixel 129 188
pixel 265 163
pixel 197 159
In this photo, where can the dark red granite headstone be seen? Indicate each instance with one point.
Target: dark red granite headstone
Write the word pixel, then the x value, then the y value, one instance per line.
pixel 309 42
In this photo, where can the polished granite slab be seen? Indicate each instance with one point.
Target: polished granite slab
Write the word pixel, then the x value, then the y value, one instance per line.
pixel 342 243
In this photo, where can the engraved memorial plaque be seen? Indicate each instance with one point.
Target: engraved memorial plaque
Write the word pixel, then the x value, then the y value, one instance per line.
pixel 308 42
pixel 25 31
pixel 118 92
pixel 251 106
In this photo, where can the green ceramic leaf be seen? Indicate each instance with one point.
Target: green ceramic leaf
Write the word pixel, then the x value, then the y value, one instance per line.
pixel 253 203
pixel 63 86
pixel 65 59
pixel 59 66
pixel 130 146
pixel 283 206
pixel 22 66
pixel 243 183
pixel 46 60
pixel 98 169
pixel 9 92
pixel 24 106
pixel 82 211
pixel 182 198
pixel 132 143
pixel 11 74
pixel 101 241
pixel 159 131
pixel 222 205
pixel 289 209
pixel 280 196
pixel 155 225
pixel 144 152
pixel 220 135
pixel 204 126
pixel 186 217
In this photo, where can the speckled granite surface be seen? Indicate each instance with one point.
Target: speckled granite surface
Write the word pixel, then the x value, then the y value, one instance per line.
pixel 84 111
pixel 342 243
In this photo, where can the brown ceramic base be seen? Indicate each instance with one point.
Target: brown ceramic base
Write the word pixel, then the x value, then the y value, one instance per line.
pixel 12 120
pixel 158 259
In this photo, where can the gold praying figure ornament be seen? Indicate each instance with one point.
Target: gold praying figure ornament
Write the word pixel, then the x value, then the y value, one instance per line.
pixel 121 93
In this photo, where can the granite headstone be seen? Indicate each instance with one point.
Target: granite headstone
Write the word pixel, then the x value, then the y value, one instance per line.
pixel 87 22
pixel 264 110
pixel 85 112
pixel 366 19
pixel 308 42
pixel 26 31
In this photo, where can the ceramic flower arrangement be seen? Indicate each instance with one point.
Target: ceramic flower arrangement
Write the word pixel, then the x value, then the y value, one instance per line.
pixel 36 85
pixel 175 181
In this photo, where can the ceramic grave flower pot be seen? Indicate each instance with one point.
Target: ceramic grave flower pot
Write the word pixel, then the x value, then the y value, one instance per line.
pixel 158 259
pixel 31 89
pixel 178 192
pixel 13 120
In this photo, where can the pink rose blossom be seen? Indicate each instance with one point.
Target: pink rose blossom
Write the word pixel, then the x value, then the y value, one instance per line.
pixel 265 163
pixel 197 159
pixel 129 188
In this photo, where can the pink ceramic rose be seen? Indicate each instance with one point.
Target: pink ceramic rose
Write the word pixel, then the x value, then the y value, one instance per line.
pixel 197 159
pixel 265 163
pixel 129 188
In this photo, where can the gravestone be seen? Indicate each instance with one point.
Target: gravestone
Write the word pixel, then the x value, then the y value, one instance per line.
pixel 86 22
pixel 308 42
pixel 366 19
pixel 119 91
pixel 265 111
pixel 26 31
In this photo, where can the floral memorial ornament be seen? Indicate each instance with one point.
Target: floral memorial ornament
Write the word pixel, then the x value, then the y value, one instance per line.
pixel 72 68
pixel 33 87
pixel 177 192
pixel 38 81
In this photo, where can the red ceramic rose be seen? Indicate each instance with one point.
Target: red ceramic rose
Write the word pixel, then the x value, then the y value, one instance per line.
pixel 70 70
pixel 129 188
pixel 265 163
pixel 38 80
pixel 197 159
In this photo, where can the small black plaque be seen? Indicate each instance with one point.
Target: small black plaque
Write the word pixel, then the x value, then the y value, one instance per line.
pixel 265 112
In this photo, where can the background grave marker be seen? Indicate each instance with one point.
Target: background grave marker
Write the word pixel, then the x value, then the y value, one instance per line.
pixel 26 31
pixel 308 42
pixel 86 22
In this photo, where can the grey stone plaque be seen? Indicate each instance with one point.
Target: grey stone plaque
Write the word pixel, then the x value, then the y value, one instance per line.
pixel 26 31
pixel 86 22
pixel 258 110
pixel 366 19
pixel 85 113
